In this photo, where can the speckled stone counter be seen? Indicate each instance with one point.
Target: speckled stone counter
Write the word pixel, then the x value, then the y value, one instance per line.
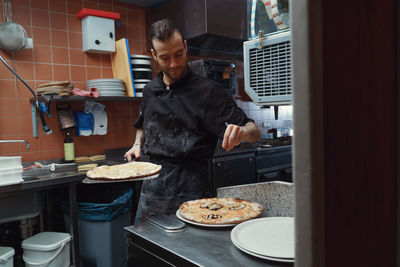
pixel 277 198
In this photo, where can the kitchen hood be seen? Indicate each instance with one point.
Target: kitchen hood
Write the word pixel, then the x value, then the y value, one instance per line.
pixel 212 28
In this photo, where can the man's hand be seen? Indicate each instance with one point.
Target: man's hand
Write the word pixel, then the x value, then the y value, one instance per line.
pixel 133 152
pixel 235 134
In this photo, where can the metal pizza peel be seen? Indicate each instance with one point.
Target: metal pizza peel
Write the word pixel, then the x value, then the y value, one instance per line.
pixel 92 181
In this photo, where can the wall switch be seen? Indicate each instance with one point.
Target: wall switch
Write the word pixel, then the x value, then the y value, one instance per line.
pixel 29 43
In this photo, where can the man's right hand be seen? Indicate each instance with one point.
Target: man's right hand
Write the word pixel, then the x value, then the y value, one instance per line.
pixel 133 152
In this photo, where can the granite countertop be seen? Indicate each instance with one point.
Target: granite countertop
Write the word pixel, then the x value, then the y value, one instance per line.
pixel 276 198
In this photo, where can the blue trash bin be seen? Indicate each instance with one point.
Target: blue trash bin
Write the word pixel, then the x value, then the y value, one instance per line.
pixel 102 215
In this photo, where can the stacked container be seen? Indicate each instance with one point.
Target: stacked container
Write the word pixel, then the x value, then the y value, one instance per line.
pixel 141 69
pixel 10 170
pixel 7 257
pixel 50 249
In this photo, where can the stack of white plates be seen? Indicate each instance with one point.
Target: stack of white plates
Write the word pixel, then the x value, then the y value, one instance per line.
pixel 108 87
pixel 270 238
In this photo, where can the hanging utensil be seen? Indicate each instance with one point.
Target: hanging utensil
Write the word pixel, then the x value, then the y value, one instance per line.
pixel 12 35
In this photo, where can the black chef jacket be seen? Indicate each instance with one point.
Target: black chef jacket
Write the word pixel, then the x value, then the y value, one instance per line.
pixel 181 126
pixel 184 122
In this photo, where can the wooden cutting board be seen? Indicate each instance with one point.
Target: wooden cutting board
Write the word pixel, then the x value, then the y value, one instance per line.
pixel 121 65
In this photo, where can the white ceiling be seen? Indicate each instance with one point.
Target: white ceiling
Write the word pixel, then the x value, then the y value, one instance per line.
pixel 146 3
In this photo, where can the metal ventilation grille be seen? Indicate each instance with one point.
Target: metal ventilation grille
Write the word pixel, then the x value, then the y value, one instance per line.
pixel 270 70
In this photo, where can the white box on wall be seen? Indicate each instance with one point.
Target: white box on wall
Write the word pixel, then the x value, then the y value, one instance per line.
pixel 98 35
pixel 98 30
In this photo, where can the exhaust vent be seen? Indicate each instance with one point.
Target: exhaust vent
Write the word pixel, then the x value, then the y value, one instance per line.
pixel 213 46
pixel 212 28
pixel 268 70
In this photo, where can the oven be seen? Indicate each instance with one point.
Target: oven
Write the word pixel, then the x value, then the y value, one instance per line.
pixel 265 161
pixel 235 169
pixel 274 164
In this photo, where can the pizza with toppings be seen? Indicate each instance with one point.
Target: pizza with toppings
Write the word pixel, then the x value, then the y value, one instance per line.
pixel 126 171
pixel 219 211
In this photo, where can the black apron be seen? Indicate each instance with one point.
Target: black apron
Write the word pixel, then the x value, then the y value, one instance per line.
pixel 178 182
pixel 181 127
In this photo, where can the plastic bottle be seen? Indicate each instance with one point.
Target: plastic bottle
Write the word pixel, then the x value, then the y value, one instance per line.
pixel 69 149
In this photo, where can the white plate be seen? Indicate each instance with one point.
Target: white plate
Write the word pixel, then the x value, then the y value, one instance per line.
pixel 105 80
pixel 119 86
pixel 264 257
pixel 112 94
pixel 108 86
pixel 105 84
pixel 178 214
pixel 110 89
pixel 270 237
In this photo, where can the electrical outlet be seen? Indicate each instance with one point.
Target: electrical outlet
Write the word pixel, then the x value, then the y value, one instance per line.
pixel 266 124
pixel 29 43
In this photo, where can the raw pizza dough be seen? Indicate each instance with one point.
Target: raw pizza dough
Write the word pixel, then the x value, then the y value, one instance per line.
pixel 130 170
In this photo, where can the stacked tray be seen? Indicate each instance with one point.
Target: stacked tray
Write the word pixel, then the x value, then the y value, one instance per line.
pixel 61 88
pixel 108 87
pixel 141 69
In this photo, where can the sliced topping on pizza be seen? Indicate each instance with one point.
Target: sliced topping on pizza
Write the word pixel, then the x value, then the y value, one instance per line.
pixel 211 216
pixel 238 206
pixel 211 206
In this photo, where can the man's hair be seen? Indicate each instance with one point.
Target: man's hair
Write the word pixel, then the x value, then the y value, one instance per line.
pixel 163 30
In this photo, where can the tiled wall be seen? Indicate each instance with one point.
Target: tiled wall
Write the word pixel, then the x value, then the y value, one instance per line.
pixel 265 117
pixel 57 55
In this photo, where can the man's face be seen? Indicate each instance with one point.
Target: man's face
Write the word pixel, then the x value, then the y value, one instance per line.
pixel 171 55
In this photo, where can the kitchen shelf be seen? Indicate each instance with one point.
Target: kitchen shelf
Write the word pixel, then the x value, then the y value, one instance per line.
pixel 73 98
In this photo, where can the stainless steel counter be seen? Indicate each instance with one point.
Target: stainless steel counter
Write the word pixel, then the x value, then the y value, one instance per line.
pixel 41 180
pixel 195 246
pixel 38 180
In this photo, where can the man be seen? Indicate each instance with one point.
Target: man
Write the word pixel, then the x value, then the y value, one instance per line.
pixel 181 117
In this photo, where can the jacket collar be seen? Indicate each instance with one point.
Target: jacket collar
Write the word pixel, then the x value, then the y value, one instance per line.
pixel 176 85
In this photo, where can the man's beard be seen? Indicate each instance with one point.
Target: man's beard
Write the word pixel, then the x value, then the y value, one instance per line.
pixel 177 75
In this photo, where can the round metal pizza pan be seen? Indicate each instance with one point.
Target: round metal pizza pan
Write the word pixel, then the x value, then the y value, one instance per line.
pixel 91 181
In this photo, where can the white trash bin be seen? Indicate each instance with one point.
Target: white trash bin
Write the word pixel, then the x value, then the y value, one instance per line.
pixel 7 257
pixel 47 249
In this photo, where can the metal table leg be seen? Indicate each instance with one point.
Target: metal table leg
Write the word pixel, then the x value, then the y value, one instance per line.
pixel 74 223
